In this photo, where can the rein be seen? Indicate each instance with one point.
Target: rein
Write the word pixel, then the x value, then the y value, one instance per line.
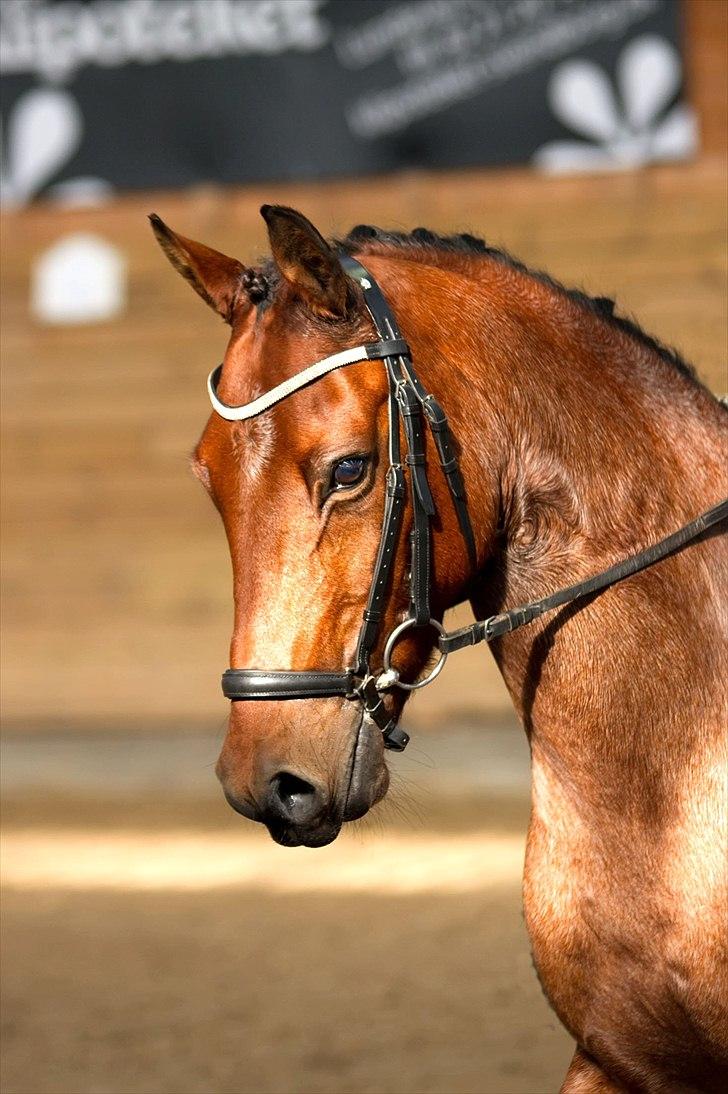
pixel 410 406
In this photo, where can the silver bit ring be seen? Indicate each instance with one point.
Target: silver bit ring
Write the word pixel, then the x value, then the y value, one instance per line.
pixel 391 643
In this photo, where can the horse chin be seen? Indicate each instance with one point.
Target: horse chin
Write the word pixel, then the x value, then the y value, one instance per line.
pixel 292 836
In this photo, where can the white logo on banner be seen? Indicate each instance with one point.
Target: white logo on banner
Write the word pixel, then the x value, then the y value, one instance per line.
pixel 44 133
pixel 55 41
pixel 582 97
pixel 80 279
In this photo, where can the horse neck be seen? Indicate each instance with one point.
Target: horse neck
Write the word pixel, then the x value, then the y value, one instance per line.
pixel 583 445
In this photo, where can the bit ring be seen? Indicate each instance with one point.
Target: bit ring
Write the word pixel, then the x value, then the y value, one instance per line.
pixel 391 643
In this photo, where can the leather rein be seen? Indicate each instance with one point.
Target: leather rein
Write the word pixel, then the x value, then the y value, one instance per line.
pixel 410 406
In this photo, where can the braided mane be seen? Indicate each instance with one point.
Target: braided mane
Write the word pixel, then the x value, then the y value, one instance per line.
pixel 425 241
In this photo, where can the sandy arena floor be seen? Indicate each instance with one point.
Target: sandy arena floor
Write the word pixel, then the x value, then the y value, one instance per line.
pixel 158 943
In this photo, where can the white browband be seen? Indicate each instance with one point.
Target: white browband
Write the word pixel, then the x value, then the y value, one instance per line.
pixel 369 352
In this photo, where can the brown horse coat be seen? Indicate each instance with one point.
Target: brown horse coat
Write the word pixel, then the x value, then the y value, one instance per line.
pixel 586 441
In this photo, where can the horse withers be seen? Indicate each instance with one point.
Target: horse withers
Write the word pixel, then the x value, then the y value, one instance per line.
pixel 582 441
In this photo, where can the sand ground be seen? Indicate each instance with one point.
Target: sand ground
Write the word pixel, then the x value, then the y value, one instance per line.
pixel 156 942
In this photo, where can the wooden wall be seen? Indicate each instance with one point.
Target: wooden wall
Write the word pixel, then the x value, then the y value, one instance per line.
pixel 116 579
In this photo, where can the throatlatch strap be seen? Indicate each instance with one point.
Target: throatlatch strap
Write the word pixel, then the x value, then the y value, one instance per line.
pixel 487 629
pixel 440 429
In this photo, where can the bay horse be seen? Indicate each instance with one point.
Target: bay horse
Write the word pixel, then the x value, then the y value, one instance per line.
pixel 581 441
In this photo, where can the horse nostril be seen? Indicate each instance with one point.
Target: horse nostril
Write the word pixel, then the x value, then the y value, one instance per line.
pixel 293 799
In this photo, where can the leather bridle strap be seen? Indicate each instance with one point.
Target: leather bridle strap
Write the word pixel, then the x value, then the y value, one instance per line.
pixel 441 435
pixel 487 629
pixel 394 502
pixel 435 416
pixel 259 684
pixel 405 410
pixel 423 507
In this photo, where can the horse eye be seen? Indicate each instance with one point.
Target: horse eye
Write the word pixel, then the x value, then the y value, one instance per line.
pixel 348 472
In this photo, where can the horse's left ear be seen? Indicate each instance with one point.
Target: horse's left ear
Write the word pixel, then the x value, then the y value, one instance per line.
pixel 307 261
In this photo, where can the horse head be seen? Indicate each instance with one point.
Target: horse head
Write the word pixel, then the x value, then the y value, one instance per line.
pixel 301 492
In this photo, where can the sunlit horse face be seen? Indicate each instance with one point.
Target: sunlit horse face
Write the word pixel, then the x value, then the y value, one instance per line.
pixel 300 491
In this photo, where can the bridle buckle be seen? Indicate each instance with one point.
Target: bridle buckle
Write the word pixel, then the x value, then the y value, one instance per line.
pixel 395 738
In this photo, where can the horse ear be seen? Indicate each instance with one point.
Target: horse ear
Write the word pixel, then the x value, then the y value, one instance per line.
pixel 307 261
pixel 217 278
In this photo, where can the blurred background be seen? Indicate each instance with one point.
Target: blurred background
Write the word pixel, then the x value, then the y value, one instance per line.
pixel 154 941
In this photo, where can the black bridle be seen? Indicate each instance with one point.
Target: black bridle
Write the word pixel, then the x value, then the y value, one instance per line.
pixel 410 407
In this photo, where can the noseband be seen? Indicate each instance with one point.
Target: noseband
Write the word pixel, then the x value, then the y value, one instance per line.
pixel 410 406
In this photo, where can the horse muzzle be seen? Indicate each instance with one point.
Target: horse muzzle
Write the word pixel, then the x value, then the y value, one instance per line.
pixel 302 802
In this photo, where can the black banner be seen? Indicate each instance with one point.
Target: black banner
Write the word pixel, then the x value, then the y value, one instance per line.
pixel 116 94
